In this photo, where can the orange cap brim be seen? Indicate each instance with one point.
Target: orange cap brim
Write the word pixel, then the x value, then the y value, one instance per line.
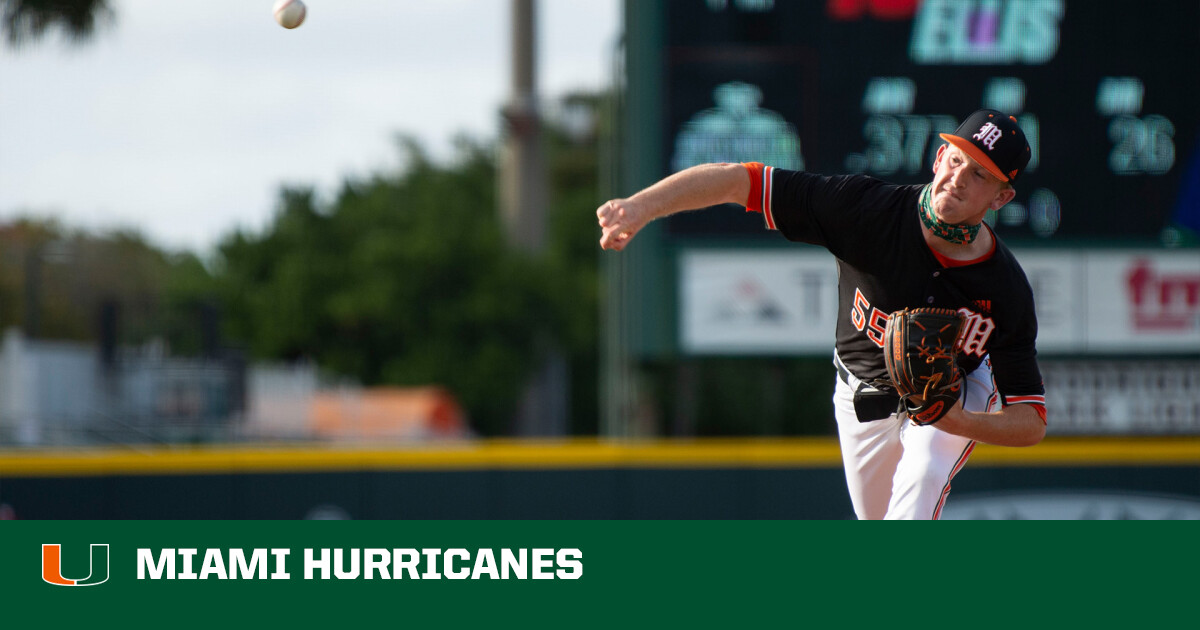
pixel 979 156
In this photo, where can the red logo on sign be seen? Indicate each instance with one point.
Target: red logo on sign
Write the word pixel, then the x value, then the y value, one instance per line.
pixel 847 10
pixel 1163 301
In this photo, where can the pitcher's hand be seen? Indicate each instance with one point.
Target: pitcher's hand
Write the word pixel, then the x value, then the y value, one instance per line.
pixel 620 220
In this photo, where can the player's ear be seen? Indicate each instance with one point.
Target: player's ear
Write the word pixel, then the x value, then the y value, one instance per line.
pixel 938 158
pixel 1005 195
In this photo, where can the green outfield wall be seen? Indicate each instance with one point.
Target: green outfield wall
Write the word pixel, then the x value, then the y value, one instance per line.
pixel 795 478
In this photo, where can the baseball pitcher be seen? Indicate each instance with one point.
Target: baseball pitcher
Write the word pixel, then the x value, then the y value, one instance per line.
pixel 936 333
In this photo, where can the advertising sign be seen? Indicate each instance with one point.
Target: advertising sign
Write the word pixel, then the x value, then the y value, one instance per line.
pixel 784 301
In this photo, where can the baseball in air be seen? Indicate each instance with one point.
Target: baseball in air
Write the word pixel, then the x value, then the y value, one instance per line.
pixel 289 13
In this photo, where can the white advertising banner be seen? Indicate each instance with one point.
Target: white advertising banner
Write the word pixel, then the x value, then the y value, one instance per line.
pixel 1116 301
pixel 757 302
pixel 1059 295
pixel 1088 301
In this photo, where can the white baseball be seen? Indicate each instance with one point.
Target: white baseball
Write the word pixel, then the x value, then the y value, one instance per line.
pixel 289 13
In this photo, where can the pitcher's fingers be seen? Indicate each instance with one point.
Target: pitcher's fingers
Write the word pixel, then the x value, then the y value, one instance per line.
pixel 606 238
pixel 613 239
pixel 607 209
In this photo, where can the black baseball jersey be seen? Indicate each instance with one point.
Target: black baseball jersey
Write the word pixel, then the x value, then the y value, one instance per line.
pixel 884 265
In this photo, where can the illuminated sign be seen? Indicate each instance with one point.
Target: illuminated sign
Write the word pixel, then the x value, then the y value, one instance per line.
pixel 737 130
pixel 986 32
pixel 1106 98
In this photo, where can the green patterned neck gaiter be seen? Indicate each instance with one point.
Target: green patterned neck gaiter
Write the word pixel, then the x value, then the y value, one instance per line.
pixel 957 234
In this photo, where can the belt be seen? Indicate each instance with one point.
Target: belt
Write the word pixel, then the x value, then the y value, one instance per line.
pixel 870 403
pixel 843 373
pixel 842 370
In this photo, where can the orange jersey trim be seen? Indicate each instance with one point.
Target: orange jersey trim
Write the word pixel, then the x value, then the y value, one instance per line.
pixel 1038 403
pixel 755 171
pixel 760 191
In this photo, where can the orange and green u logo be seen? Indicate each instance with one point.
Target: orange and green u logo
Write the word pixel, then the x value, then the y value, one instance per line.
pixel 52 566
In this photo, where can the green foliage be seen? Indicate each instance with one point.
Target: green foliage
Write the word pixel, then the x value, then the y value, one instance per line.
pixel 406 280
pixel 573 257
pixel 188 297
pixel 54 280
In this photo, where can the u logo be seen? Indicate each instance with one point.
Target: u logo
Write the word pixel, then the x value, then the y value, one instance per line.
pixel 52 566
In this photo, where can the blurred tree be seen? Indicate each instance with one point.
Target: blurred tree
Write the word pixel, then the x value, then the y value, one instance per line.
pixel 28 20
pixel 573 135
pixel 53 282
pixel 406 279
pixel 188 294
pixel 402 279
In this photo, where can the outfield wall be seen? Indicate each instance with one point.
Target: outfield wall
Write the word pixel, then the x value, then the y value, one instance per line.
pixel 701 479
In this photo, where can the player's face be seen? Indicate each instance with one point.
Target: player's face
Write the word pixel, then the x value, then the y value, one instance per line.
pixel 963 190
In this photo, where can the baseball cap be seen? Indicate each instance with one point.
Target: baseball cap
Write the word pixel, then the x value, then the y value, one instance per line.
pixel 995 141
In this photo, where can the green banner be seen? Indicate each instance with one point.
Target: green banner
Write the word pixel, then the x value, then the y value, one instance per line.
pixel 568 574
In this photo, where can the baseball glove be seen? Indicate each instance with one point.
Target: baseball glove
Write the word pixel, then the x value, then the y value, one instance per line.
pixel 920 352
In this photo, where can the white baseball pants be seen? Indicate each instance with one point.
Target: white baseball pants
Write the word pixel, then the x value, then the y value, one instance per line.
pixel 898 470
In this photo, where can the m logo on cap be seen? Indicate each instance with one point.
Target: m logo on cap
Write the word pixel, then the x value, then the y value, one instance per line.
pixel 1006 160
pixel 988 134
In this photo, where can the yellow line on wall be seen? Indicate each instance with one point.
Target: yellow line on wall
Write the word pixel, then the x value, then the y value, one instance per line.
pixel 1107 451
pixel 557 455
pixel 474 455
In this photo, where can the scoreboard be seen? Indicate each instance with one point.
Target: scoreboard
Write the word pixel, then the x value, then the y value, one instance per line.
pixel 1107 93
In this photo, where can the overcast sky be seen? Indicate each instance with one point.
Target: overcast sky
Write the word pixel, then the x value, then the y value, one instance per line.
pixel 183 119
